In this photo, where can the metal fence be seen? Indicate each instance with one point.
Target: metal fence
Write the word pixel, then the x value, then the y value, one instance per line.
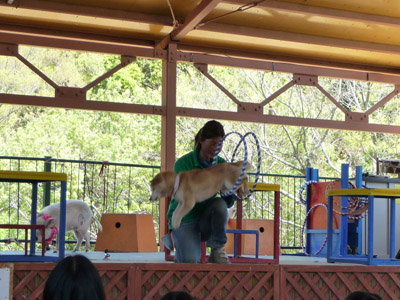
pixel 124 188
pixel 106 186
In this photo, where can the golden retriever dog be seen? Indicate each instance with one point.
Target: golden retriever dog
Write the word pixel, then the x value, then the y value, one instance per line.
pixel 194 186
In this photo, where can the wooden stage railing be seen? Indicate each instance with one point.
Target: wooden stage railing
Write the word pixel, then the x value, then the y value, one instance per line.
pixel 152 281
pixel 211 281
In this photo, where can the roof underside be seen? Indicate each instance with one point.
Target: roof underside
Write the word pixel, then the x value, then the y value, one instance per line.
pixel 357 35
pixel 356 40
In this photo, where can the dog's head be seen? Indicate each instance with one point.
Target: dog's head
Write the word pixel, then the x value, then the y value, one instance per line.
pixel 240 165
pixel 162 185
pixel 243 188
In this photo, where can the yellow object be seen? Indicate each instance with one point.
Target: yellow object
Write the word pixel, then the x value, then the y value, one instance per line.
pixel 264 227
pixel 365 192
pixel 261 186
pixel 21 176
pixel 398 199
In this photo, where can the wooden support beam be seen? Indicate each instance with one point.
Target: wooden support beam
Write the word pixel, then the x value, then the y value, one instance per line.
pixel 191 21
pixel 168 126
pixel 321 11
pixel 300 38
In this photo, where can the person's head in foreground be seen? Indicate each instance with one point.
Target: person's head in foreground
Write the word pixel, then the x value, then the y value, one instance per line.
pixel 74 278
pixel 177 296
pixel 360 295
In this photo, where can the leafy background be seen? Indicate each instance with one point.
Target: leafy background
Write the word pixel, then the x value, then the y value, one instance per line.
pixel 28 131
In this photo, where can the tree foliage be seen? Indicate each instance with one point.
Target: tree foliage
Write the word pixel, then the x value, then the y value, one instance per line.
pixel 135 139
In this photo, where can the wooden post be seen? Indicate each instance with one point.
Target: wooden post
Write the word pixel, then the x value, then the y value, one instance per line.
pixel 168 124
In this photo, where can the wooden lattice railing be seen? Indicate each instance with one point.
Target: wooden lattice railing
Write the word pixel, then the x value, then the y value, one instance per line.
pixel 211 281
pixel 29 280
pixel 336 282
pixel 152 281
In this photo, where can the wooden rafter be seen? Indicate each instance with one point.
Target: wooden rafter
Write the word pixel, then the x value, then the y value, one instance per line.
pixel 89 11
pixel 74 98
pixel 322 11
pixel 191 21
pixel 300 38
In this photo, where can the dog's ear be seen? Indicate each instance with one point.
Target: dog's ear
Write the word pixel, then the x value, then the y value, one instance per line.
pixel 240 164
pixel 155 180
pixel 249 167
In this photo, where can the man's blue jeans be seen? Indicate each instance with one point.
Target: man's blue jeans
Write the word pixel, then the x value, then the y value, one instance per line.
pixel 211 227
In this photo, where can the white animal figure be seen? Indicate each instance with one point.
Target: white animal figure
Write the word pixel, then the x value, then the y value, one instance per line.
pixel 78 219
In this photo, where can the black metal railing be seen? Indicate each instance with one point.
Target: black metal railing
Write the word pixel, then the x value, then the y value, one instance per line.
pixel 124 188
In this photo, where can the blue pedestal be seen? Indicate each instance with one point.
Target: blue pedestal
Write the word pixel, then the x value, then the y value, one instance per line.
pixel 35 178
pixel 317 237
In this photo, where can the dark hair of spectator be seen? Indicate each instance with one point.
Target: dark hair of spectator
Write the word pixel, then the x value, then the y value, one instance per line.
pixel 74 278
pixel 177 296
pixel 360 295
pixel 210 130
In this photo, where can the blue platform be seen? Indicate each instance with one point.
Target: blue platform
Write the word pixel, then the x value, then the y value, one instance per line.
pixel 34 178
pixel 367 258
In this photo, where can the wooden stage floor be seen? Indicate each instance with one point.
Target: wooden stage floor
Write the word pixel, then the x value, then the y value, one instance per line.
pixel 158 257
pixel 134 276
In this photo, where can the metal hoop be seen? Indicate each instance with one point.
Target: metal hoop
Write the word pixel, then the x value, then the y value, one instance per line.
pixel 304 224
pixel 242 140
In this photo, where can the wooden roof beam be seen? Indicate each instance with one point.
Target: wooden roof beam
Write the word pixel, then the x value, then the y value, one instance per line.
pixel 383 101
pixel 89 11
pixel 63 39
pixel 191 21
pixel 289 64
pixel 289 121
pixel 300 38
pixel 17 35
pixel 323 12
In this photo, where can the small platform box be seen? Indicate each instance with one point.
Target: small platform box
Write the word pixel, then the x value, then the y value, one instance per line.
pixel 127 233
pixel 317 238
pixel 266 233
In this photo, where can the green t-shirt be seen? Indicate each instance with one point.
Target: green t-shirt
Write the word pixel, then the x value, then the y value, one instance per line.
pixel 189 162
